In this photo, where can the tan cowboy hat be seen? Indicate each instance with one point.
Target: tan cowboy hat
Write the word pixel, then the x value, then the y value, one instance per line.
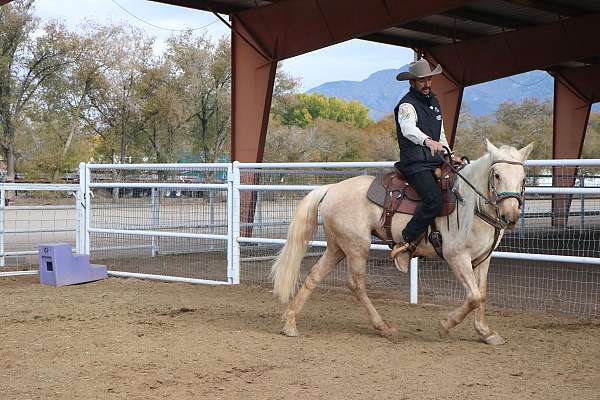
pixel 418 69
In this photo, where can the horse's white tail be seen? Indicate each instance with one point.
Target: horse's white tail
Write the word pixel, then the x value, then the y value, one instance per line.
pixel 286 270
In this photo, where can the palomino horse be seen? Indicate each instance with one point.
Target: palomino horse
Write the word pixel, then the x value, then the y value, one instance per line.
pixel 349 220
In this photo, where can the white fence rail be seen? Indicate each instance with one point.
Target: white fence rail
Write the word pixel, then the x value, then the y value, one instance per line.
pixel 532 212
pixel 222 223
pixel 165 234
pixel 40 221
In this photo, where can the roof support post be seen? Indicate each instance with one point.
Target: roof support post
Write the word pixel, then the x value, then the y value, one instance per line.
pixel 449 93
pixel 253 77
pixel 571 114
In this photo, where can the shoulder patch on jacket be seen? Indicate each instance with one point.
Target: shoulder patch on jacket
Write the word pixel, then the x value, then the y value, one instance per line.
pixel 406 111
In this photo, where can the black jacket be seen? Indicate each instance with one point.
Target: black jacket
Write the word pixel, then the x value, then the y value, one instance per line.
pixel 417 157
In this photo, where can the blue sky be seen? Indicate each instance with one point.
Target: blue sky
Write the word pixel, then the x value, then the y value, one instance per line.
pixel 353 60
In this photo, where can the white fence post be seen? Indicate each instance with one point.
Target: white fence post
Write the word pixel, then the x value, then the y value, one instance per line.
pixel 230 222
pixel 259 214
pixel 414 280
pixel 88 211
pixel 80 212
pixel 582 200
pixel 234 222
pixel 2 205
pixel 155 218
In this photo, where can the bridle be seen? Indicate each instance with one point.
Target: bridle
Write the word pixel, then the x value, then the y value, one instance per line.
pixel 495 199
pixel 498 197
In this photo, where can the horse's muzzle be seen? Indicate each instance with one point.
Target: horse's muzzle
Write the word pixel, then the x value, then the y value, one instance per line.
pixel 508 222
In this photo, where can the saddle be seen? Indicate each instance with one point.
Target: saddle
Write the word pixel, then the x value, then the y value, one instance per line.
pixel 393 193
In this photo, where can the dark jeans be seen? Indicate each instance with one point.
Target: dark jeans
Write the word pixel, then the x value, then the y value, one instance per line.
pixel 424 183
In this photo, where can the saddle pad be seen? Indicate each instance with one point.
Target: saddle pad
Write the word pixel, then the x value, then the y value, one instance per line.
pixel 377 192
pixel 410 199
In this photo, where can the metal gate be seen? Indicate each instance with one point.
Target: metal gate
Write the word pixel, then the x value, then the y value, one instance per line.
pixel 161 221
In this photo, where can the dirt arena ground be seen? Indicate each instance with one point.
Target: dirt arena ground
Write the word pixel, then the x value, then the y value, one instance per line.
pixel 131 339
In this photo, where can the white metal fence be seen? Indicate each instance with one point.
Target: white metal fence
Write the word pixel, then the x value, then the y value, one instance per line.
pixel 169 221
pixel 36 213
pixel 224 223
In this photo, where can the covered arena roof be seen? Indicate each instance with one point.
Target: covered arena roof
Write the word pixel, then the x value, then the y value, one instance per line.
pixel 476 19
pixel 474 40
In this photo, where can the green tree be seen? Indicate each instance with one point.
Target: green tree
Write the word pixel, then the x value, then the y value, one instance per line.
pixel 303 109
pixel 165 116
pixel 284 93
pixel 57 114
pixel 26 62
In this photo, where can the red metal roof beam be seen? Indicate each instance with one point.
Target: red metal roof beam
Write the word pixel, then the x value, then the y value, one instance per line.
pixel 584 81
pixel 492 57
pixel 205 5
pixel 293 27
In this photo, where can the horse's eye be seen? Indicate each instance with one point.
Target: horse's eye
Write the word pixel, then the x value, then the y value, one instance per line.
pixel 497 176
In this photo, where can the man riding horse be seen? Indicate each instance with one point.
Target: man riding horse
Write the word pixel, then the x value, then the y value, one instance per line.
pixel 420 133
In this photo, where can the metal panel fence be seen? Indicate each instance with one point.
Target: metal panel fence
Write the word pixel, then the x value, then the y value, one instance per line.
pixel 544 265
pixel 31 214
pixel 222 223
pixel 162 220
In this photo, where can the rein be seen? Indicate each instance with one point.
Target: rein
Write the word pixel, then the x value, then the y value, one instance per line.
pixel 496 198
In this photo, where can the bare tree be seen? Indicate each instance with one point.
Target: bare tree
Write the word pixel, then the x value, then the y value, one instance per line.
pixel 203 72
pixel 116 102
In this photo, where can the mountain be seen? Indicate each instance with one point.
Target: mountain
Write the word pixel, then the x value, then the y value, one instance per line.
pixel 380 92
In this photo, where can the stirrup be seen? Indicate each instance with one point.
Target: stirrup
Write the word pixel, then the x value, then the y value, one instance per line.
pixel 403 248
pixel 402 253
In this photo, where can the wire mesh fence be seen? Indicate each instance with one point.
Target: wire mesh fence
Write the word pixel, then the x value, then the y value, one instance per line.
pixel 521 284
pixel 176 220
pixel 175 256
pixel 31 217
pixel 152 219
pixel 557 224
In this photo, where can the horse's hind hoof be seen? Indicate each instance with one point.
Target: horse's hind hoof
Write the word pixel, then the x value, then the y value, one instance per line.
pixel 494 339
pixel 289 331
pixel 443 329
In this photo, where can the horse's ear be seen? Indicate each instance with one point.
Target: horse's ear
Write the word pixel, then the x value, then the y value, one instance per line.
pixel 526 151
pixel 490 147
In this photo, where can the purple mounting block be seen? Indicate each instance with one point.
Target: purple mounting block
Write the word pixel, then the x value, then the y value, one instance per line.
pixel 59 267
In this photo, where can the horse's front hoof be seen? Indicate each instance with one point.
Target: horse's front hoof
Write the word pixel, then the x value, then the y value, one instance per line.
pixel 387 331
pixel 494 339
pixel 443 329
pixel 289 331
